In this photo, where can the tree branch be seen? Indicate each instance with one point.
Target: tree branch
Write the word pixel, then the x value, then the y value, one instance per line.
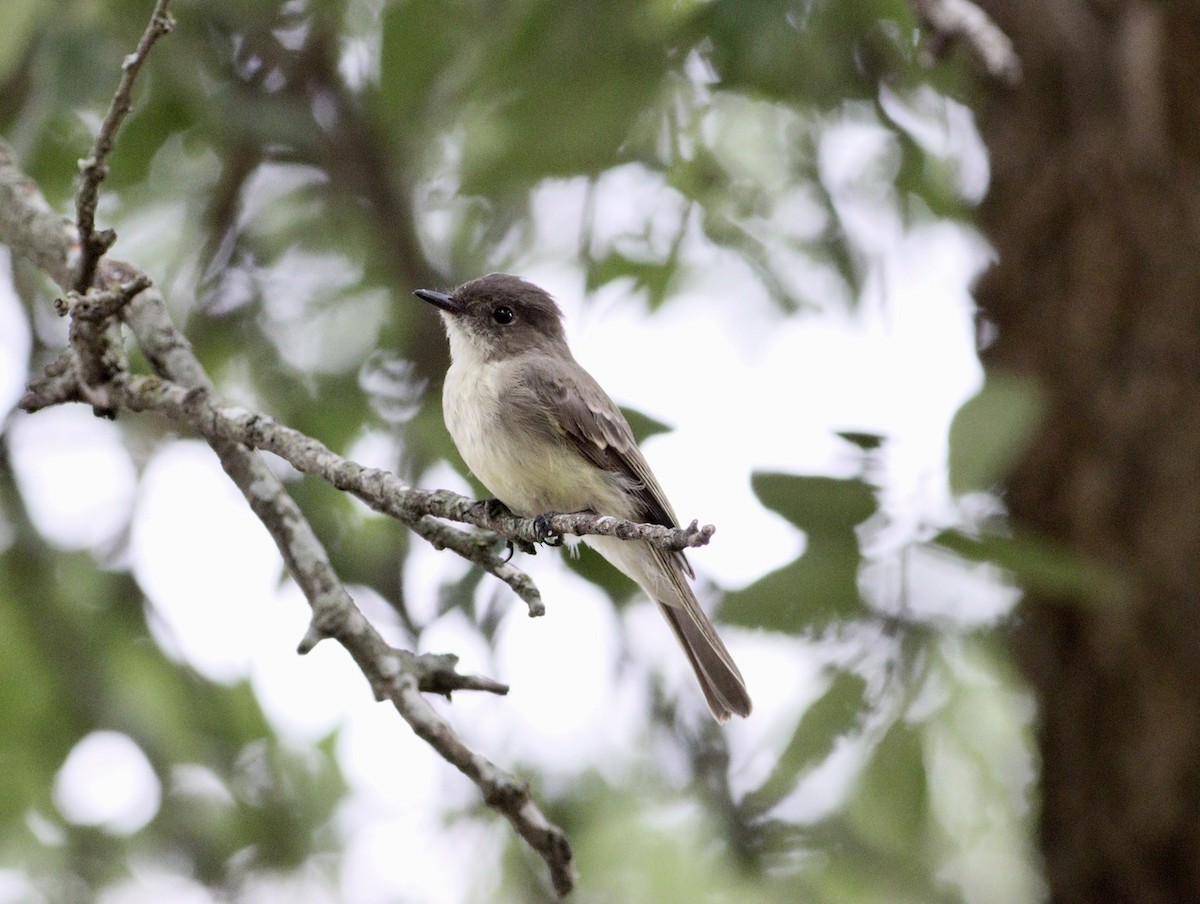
pixel 382 490
pixel 500 790
pixel 94 169
pixel 29 227
pixel 395 675
pixel 200 409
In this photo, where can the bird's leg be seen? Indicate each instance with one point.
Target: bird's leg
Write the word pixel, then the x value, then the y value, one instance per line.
pixel 545 533
pixel 493 509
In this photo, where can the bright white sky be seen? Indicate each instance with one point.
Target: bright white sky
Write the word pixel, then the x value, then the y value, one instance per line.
pixel 762 391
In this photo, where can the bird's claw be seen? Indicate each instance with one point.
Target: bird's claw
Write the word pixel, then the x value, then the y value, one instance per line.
pixel 545 532
pixel 494 510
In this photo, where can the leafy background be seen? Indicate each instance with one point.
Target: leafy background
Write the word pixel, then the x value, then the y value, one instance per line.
pixel 710 175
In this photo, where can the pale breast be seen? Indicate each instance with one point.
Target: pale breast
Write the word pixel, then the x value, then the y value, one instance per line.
pixel 528 471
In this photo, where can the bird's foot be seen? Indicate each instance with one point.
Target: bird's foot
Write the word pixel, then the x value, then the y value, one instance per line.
pixel 494 509
pixel 545 532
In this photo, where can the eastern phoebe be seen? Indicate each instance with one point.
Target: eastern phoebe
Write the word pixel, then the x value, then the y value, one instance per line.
pixel 542 435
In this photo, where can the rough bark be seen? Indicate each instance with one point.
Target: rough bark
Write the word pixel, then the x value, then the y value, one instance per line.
pixel 1095 213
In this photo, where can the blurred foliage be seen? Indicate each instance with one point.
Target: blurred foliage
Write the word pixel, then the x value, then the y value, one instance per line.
pixel 291 171
pixel 1042 565
pixel 838 712
pixel 77 659
pixel 991 431
pixel 821 586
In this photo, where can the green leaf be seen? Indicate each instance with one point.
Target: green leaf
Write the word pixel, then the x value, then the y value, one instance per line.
pixel 992 430
pixel 558 91
pixel 418 40
pixel 653 276
pixel 819 51
pixel 867 442
pixel 1043 566
pixel 822 585
pixel 826 508
pixel 643 425
pixel 889 808
pixel 20 17
pixel 33 685
pixel 833 716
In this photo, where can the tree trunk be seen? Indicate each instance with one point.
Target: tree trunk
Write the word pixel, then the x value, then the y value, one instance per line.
pixel 1095 215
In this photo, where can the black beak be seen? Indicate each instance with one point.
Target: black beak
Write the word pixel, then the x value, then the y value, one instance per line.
pixel 439 299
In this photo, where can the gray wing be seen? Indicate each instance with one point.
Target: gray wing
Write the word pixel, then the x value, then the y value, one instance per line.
pixel 573 405
pixel 583 412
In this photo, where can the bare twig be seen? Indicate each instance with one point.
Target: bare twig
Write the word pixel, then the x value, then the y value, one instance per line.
pixel 435 673
pixel 499 790
pixel 382 490
pixel 27 224
pixel 96 337
pixel 98 306
pixel 96 334
pixel 479 548
pixel 961 21
pixel 57 385
pixel 93 168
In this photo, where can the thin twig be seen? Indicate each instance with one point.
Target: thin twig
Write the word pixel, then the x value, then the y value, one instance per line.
pixel 94 168
pixel 381 490
pixel 480 549
pixel 500 790
pixel 95 333
pixel 97 306
pixel 436 674
pixel 57 384
pixel 384 491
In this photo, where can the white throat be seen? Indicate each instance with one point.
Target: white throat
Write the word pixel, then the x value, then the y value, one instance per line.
pixel 466 348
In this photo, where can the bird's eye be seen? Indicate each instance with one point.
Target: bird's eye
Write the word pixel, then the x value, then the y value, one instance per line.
pixel 502 315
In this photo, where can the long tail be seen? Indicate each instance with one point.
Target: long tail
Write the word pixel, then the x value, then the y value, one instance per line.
pixel 661 575
pixel 715 669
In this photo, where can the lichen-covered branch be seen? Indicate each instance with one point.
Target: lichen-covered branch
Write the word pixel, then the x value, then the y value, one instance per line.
pixel 499 791
pixel 201 410
pixel 94 168
pixel 27 224
pixel 394 675
pixel 382 490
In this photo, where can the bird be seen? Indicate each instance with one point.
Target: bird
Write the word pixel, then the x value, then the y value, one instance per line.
pixel 543 437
